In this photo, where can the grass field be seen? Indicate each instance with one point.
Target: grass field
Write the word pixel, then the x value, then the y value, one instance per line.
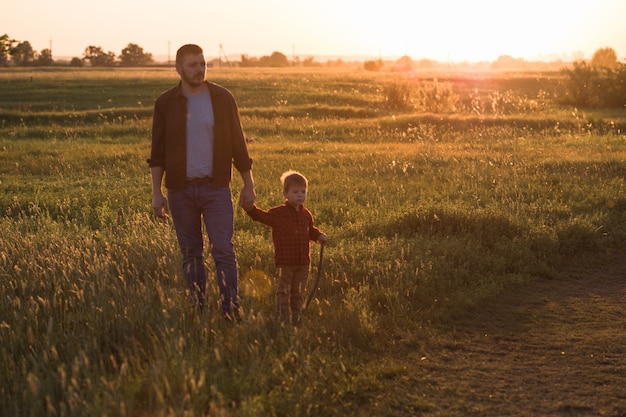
pixel 437 191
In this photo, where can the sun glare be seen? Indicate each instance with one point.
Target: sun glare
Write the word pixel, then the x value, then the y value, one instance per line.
pixel 466 31
pixel 453 30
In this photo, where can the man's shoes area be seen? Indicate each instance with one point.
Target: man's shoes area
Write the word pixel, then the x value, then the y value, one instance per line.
pixel 233 317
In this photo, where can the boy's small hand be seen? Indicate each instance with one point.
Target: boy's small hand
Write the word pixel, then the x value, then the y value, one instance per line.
pixel 323 238
pixel 245 203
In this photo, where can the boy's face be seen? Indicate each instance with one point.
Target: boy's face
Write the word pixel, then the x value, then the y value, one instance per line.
pixel 295 195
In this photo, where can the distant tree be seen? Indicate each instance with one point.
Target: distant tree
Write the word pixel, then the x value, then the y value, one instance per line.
pixel 404 63
pixel 310 62
pixel 337 63
pixel 45 57
pixel 276 60
pixel 23 54
pixel 247 62
pixel 97 57
pixel 425 63
pixel 77 62
pixel 405 60
pixel 605 58
pixel 373 65
pixel 133 55
pixel 6 45
pixel 507 62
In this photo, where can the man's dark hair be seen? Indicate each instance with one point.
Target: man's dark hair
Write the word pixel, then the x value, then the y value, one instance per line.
pixel 188 49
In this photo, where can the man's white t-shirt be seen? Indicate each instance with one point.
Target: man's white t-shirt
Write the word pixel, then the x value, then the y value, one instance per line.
pixel 200 122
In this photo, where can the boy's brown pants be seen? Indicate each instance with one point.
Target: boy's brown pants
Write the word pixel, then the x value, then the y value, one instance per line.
pixel 291 280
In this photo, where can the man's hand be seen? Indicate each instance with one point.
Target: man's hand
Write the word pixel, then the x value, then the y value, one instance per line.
pixel 159 205
pixel 248 195
pixel 159 202
pixel 246 198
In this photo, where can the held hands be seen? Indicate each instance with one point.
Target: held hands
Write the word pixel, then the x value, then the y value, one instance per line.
pixel 246 198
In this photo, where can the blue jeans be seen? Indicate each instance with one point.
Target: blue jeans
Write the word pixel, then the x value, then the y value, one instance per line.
pixel 189 206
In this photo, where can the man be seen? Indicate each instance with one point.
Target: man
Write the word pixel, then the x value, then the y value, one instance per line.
pixel 196 139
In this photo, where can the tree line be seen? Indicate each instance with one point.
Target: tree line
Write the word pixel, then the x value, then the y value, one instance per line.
pixel 22 54
pixel 598 83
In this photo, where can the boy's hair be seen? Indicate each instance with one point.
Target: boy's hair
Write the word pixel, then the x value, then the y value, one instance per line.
pixel 188 49
pixel 293 178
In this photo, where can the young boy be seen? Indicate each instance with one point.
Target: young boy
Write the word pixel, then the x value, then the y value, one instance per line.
pixel 292 229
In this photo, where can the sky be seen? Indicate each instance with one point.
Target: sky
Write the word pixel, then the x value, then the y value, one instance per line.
pixel 442 30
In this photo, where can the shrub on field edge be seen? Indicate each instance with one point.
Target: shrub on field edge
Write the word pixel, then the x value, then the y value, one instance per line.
pixel 588 85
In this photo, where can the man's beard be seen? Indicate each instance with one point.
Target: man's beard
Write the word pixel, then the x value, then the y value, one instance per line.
pixel 192 81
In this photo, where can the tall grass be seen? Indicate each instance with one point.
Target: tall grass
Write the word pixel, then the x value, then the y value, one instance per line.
pixel 427 214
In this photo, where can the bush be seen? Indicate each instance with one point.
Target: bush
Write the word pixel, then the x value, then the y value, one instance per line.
pixel 437 98
pixel 594 86
pixel 374 65
pixel 76 62
pixel 398 95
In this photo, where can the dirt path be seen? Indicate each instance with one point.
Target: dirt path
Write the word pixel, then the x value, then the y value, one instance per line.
pixel 556 347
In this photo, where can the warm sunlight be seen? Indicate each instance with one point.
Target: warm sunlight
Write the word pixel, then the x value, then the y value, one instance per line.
pixel 472 31
pixel 460 250
pixel 449 30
